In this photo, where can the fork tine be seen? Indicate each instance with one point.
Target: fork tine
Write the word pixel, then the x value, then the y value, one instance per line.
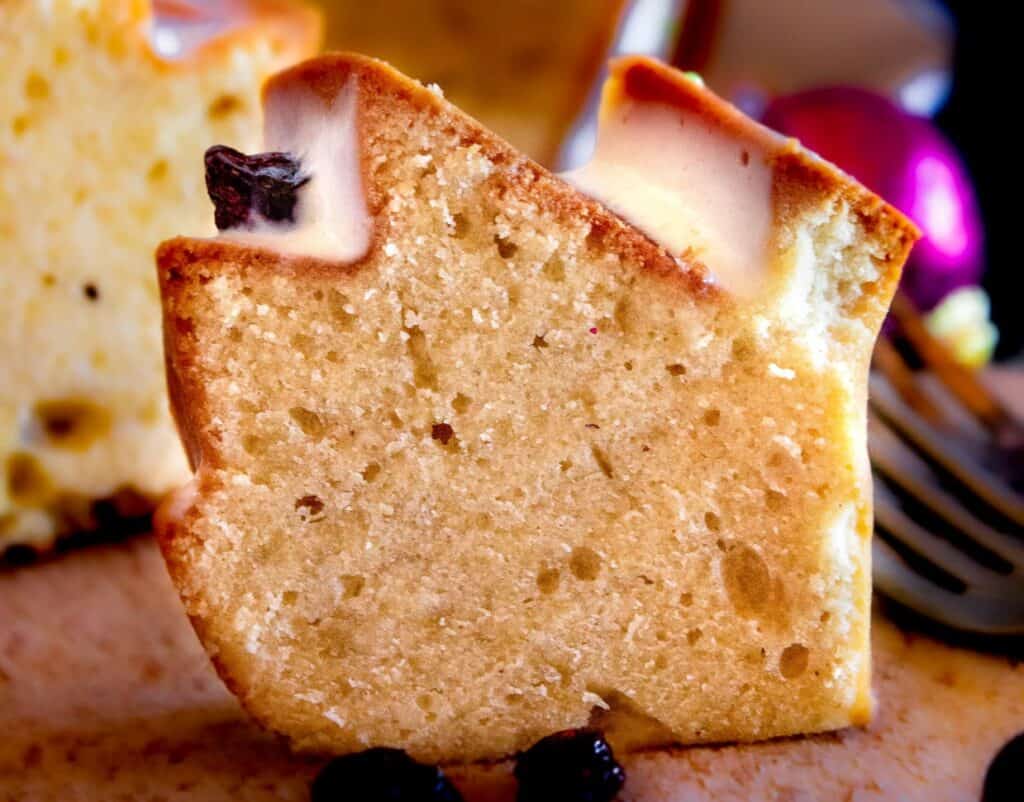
pixel 930 546
pixel 959 380
pixel 967 612
pixel 906 469
pixel 890 363
pixel 985 485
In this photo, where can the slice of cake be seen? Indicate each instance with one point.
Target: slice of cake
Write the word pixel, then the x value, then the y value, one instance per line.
pixel 106 108
pixel 522 67
pixel 479 459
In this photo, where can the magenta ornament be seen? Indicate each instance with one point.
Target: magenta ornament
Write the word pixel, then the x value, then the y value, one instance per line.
pixel 907 161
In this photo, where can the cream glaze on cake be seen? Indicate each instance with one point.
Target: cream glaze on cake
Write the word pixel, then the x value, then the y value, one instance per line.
pixel 520 467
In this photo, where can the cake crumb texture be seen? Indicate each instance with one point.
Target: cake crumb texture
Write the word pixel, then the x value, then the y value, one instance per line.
pixel 101 142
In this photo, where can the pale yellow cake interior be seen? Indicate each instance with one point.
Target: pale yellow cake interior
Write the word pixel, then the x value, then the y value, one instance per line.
pixel 101 144
pixel 502 478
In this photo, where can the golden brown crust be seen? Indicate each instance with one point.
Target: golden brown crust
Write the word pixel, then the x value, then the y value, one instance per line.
pixel 802 182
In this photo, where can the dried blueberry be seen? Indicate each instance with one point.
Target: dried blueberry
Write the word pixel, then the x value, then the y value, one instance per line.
pixel 1004 781
pixel 265 183
pixel 382 775
pixel 569 766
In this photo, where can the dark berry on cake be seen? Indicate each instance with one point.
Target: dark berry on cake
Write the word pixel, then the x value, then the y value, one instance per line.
pixel 265 183
pixel 382 775
pixel 569 766
pixel 1004 780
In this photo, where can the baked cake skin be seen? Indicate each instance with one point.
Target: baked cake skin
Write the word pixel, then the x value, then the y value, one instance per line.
pixel 99 142
pixel 512 466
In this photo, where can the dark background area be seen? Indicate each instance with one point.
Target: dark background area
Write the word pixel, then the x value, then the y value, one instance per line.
pixel 978 118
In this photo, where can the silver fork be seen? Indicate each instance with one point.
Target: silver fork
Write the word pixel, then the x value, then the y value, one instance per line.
pixel 949 489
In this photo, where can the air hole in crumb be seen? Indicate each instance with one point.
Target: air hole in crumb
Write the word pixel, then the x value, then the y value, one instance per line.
pixel 744 157
pixel 747 579
pixel 425 702
pixel 442 432
pixel 303 343
pixel 310 508
pixel 19 125
pixel 676 369
pixel 686 598
pixel 394 420
pixel 36 87
pixel 223 106
pixel 423 371
pixel 712 522
pixel 246 291
pixel 235 335
pixel 547 580
pixel 48 279
pixel 712 417
pixel 91 291
pixel 254 445
pixel 661 635
pixel 289 597
pixel 309 422
pixel 461 403
pixel 333 357
pixel 660 663
pixel 585 563
pixel 72 424
pixel 371 472
pixel 27 482
pixel 565 465
pixel 825 616
pixel 623 315
pixel 774 500
pixel 539 341
pixel 554 269
pixel 601 458
pixel 693 636
pixel 341 309
pixel 460 226
pixel 157 170
pixel 743 348
pixel 61 56
pixel 627 365
pixel 506 248
pixel 352 585
pixel 793 661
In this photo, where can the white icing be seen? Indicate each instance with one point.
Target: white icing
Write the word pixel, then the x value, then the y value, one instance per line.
pixel 331 218
pixel 685 183
pixel 179 27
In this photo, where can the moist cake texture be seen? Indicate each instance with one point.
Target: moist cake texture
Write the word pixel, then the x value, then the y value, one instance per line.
pixel 513 466
pixel 103 120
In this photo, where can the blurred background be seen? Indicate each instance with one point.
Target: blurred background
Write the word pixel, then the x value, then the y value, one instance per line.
pixel 895 92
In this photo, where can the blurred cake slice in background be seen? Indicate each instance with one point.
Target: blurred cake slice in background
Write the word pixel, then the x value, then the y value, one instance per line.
pixel 105 108
pixel 480 458
pixel 522 67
